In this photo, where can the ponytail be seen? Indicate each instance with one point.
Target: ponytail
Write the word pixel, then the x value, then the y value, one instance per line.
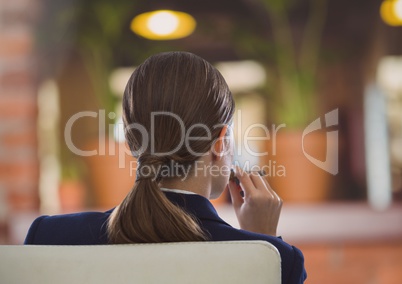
pixel 146 215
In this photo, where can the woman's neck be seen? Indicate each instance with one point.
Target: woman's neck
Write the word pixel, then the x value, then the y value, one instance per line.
pixel 197 184
pixel 198 180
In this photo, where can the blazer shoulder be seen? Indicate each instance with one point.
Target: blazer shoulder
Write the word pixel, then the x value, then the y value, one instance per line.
pixel 83 228
pixel 298 272
pixel 30 238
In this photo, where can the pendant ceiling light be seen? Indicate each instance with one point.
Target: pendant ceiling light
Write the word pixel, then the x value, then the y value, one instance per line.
pixel 391 12
pixel 163 25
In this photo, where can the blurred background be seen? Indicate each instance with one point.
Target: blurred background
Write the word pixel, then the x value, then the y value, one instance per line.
pixel 323 77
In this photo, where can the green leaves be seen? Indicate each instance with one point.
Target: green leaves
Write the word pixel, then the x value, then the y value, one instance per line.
pixel 278 6
pixel 293 97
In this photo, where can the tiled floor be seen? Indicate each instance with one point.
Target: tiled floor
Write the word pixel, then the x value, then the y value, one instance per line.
pixel 370 263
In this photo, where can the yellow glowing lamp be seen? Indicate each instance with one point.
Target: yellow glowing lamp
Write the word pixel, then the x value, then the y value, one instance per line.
pixel 391 12
pixel 163 25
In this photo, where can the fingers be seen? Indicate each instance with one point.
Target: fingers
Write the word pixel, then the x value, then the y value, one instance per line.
pixel 260 208
pixel 250 182
pixel 271 190
pixel 257 180
pixel 260 182
pixel 245 182
pixel 234 190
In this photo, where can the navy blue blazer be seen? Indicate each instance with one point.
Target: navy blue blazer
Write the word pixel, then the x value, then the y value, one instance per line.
pixel 89 228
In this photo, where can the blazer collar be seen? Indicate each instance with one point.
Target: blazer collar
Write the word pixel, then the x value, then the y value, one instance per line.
pixel 197 205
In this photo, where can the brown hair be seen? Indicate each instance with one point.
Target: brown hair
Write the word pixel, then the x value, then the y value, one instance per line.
pixel 189 88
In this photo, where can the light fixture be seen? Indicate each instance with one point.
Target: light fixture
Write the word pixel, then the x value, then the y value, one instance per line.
pixel 242 76
pixel 391 12
pixel 163 25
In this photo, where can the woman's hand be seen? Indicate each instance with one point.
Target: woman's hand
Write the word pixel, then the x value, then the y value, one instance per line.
pixel 258 211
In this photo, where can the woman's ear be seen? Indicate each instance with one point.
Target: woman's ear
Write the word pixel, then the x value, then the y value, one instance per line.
pixel 218 146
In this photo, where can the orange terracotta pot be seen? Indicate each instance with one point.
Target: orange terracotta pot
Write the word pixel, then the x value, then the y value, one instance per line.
pixel 291 174
pixel 72 195
pixel 111 173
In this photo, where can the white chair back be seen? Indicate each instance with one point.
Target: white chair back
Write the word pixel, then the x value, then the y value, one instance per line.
pixel 190 262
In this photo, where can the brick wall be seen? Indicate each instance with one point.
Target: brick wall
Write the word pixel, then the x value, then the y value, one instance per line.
pixel 18 112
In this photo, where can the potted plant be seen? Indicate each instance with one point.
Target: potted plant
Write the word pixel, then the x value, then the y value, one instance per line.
pixel 104 41
pixel 99 31
pixel 293 100
pixel 72 190
pixel 82 43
